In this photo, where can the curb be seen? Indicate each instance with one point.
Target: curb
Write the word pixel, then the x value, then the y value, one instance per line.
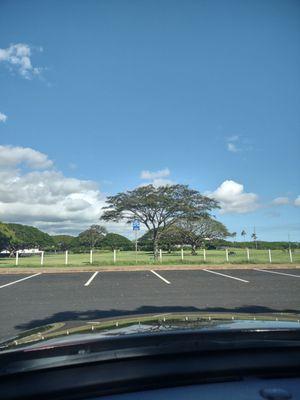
pixel 129 268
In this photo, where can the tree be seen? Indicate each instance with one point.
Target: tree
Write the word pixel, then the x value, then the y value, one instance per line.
pixel 243 234
pixel 158 208
pixel 92 236
pixel 63 242
pixel 254 238
pixel 197 231
pixel 6 236
pixel 116 242
pixel 28 236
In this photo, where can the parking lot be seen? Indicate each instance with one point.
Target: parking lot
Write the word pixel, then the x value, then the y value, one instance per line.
pixel 29 301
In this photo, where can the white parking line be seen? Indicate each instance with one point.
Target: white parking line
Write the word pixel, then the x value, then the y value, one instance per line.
pixel 19 280
pixel 226 276
pixel 91 278
pixel 161 277
pixel 279 273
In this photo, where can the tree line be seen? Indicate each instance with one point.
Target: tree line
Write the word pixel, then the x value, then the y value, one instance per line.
pixel 172 216
pixel 15 237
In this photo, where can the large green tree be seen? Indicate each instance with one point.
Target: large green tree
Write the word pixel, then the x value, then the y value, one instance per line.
pixel 63 242
pixel 7 236
pixel 92 237
pixel 28 236
pixel 196 231
pixel 157 208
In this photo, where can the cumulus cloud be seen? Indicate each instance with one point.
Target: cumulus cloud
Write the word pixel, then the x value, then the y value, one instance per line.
pixel 3 117
pixel 280 201
pixel 232 148
pixel 13 156
pixel 233 198
pixel 156 178
pixel 163 173
pixel 297 201
pixel 18 58
pixel 34 193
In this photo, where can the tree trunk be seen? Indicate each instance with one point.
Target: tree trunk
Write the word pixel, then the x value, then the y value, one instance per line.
pixel 155 244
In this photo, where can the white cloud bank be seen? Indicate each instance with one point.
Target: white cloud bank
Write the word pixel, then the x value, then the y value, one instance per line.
pixel 18 58
pixel 34 193
pixel 297 201
pixel 156 178
pixel 233 198
pixel 280 201
pixel 11 156
pixel 3 117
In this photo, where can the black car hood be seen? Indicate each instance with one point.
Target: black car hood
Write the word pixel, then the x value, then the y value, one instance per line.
pixel 68 332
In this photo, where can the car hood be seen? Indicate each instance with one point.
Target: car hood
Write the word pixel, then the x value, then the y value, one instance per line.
pixel 68 332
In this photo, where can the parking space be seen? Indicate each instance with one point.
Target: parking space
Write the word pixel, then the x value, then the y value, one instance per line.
pixel 28 301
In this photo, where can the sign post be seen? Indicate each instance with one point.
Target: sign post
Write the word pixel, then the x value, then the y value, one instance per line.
pixel 136 228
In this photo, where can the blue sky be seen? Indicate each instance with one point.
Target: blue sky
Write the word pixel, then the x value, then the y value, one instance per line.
pixel 206 92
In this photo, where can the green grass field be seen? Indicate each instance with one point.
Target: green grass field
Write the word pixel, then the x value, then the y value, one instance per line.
pixel 103 258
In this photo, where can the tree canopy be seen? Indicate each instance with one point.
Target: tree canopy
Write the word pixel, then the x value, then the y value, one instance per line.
pixel 117 242
pixel 196 231
pixel 157 208
pixel 28 236
pixel 92 236
pixel 7 236
pixel 63 242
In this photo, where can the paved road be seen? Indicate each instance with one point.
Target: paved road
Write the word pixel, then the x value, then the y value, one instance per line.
pixel 45 298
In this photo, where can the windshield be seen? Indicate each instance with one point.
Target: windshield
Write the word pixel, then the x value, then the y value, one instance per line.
pixel 149 166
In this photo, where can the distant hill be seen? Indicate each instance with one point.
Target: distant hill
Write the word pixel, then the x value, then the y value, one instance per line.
pixel 26 236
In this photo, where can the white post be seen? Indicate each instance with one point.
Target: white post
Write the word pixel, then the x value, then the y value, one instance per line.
pixel 91 256
pixel 226 253
pixel 204 255
pixel 66 257
pixel 270 256
pixel 291 256
pixel 136 245
pixel 181 254
pixel 248 254
pixel 115 256
pixel 42 258
pixel 17 257
pixel 160 255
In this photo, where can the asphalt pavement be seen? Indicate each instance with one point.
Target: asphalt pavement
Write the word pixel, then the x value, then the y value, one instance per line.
pixel 29 301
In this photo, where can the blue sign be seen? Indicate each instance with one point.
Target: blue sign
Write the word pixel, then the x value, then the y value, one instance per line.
pixel 136 225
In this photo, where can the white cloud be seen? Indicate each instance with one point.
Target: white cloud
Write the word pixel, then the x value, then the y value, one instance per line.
pixel 3 117
pixel 45 198
pixel 155 174
pixel 156 178
pixel 233 138
pixel 279 201
pixel 233 199
pixel 232 148
pixel 18 57
pixel 13 156
pixel 297 201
